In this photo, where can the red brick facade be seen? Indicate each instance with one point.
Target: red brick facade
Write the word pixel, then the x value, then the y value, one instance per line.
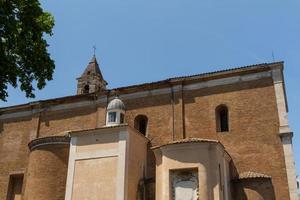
pixel 175 110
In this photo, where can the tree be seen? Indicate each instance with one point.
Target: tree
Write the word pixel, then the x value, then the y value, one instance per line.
pixel 24 58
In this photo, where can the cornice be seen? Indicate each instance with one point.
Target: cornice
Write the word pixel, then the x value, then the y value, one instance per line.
pixel 193 82
pixel 52 140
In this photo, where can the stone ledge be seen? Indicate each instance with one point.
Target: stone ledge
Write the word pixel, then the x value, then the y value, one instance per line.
pixel 52 140
pixel 286 134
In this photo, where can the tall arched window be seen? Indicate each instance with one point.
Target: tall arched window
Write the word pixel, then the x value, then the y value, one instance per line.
pixel 140 123
pixel 222 118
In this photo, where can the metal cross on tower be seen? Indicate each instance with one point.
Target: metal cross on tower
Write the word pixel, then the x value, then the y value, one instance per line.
pixel 94 48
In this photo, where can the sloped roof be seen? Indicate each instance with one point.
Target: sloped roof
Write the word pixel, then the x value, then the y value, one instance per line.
pixel 92 68
pixel 212 74
pixel 187 140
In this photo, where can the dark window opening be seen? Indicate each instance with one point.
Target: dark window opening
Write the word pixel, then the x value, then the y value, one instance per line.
pixel 140 124
pixel 15 187
pixel 222 119
pixel 86 89
pixel 121 118
pixel 112 117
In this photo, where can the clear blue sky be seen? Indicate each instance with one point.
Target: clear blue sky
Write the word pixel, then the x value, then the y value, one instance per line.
pixel 141 41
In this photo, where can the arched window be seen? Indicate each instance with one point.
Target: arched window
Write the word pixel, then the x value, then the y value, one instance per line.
pixel 86 89
pixel 115 112
pixel 222 118
pixel 140 124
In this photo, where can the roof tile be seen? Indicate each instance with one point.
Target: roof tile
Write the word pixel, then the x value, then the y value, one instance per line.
pixel 251 174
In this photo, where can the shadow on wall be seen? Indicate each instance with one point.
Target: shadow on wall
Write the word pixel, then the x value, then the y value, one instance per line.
pixel 150 174
pixel 250 188
pixel 1 127
pixel 254 189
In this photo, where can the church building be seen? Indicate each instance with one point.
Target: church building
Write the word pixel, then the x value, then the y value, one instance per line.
pixel 220 135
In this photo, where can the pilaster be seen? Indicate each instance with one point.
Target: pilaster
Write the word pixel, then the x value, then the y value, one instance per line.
pixel 178 112
pixel 284 131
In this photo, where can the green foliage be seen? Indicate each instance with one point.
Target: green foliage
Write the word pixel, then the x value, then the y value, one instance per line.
pixel 23 49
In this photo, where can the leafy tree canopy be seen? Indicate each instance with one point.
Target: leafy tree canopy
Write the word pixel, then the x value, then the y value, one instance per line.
pixel 23 50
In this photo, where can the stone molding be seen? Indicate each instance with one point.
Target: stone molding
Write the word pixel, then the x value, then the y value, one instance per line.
pixel 284 132
pixel 288 135
pixel 235 79
pixel 52 140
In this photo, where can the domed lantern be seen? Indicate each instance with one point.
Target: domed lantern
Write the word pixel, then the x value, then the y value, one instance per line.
pixel 115 112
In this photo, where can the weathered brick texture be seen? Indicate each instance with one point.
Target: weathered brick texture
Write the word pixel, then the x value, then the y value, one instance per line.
pixel 14 137
pixel 252 139
pixel 47 173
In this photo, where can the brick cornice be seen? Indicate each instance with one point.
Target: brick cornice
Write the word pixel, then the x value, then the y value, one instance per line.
pixel 52 140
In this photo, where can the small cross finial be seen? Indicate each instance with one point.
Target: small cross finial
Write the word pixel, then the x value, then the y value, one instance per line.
pixel 94 48
pixel 273 56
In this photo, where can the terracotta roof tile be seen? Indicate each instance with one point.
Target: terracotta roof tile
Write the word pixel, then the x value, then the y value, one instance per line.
pixel 251 174
pixel 207 74
pixel 93 65
pixel 188 140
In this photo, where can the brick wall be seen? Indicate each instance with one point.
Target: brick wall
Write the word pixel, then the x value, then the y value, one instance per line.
pixel 47 173
pixel 14 137
pixel 252 140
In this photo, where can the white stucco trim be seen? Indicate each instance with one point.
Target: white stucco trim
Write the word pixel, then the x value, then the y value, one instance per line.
pixel 71 168
pixel 117 122
pixel 281 100
pixel 290 165
pixel 285 132
pixel 122 168
pixel 103 99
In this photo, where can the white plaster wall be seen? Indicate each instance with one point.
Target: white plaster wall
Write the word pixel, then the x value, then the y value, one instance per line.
pixel 95 178
pixel 96 156
pixel 115 156
pixel 204 157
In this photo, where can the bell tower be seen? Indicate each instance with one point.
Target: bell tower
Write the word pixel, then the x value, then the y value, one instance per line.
pixel 91 80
